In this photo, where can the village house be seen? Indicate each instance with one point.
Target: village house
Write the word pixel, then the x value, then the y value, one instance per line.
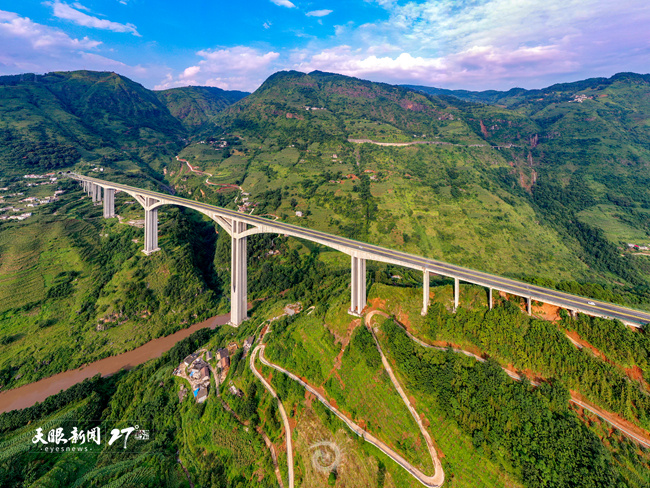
pixel 232 347
pixel 248 343
pixel 204 372
pixel 222 353
pixel 201 395
pixel 190 359
pixel 224 363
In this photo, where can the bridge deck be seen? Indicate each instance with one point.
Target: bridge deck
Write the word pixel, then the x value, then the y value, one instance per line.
pixel 635 318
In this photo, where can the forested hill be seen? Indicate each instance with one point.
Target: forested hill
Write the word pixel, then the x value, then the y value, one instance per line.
pixel 60 119
pixel 559 174
pixel 194 106
pixel 573 157
pixel 319 106
pixel 515 95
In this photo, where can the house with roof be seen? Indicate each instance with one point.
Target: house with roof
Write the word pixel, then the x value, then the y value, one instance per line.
pixel 248 343
pixel 201 395
pixel 224 363
pixel 189 359
pixel 222 353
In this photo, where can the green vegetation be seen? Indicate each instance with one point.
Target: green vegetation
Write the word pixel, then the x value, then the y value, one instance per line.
pixel 503 417
pixel 512 337
pixel 549 186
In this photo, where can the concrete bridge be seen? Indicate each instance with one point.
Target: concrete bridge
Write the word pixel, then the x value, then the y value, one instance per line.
pixel 239 226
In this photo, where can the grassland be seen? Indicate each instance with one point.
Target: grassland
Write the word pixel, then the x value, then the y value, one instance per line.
pixel 359 387
pixel 73 287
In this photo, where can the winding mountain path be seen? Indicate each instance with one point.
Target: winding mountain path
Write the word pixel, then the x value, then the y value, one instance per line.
pixel 633 432
pixel 430 481
pixel 283 413
pixel 440 475
pixel 209 175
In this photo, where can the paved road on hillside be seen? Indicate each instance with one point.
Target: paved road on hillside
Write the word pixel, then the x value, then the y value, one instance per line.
pixel 430 481
pixel 629 316
pixel 283 414
pixel 643 440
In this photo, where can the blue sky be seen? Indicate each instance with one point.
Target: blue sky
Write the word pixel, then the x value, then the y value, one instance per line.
pixel 472 44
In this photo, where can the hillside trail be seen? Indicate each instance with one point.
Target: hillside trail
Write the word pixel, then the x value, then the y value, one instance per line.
pixel 209 175
pixel 440 475
pixel 627 428
pixel 429 481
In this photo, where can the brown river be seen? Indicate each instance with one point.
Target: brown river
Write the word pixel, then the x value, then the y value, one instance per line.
pixel 28 395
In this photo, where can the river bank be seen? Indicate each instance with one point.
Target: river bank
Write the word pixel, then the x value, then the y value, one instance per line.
pixel 27 395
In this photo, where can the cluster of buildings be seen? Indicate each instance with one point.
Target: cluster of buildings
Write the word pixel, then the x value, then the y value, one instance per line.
pixel 198 376
pixel 637 247
pixel 581 98
pixel 246 204
pixel 27 202
pixel 49 176
pixel 196 369
pixel 22 216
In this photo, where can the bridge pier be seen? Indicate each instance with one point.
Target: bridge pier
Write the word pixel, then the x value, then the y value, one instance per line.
pixel 358 286
pixel 238 285
pixel 96 193
pixel 425 292
pixel 109 203
pixel 529 305
pixel 456 293
pixel 150 227
pixel 490 298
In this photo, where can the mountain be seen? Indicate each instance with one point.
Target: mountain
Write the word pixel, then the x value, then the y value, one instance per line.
pixel 59 119
pixel 196 105
pixel 322 105
pixel 547 187
pixel 561 174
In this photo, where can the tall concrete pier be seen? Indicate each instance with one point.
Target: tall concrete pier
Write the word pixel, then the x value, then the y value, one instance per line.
pixel 238 272
pixel 425 292
pixel 109 203
pixel 150 226
pixel 358 285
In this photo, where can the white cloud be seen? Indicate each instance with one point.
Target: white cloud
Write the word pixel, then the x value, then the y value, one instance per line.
pixel 267 25
pixel 236 68
pixel 493 43
pixel 36 48
pixel 472 66
pixel 78 6
pixel 65 11
pixel 21 30
pixel 318 13
pixel 283 3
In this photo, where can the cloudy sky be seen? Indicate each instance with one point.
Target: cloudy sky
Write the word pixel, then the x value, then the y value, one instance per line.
pixel 472 44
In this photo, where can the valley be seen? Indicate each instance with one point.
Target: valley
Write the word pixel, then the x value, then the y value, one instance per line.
pixel 545 188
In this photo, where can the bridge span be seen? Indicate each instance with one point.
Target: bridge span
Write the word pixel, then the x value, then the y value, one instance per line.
pixel 239 226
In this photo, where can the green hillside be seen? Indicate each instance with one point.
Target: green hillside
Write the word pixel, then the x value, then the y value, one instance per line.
pixel 196 105
pixel 548 184
pixel 60 119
